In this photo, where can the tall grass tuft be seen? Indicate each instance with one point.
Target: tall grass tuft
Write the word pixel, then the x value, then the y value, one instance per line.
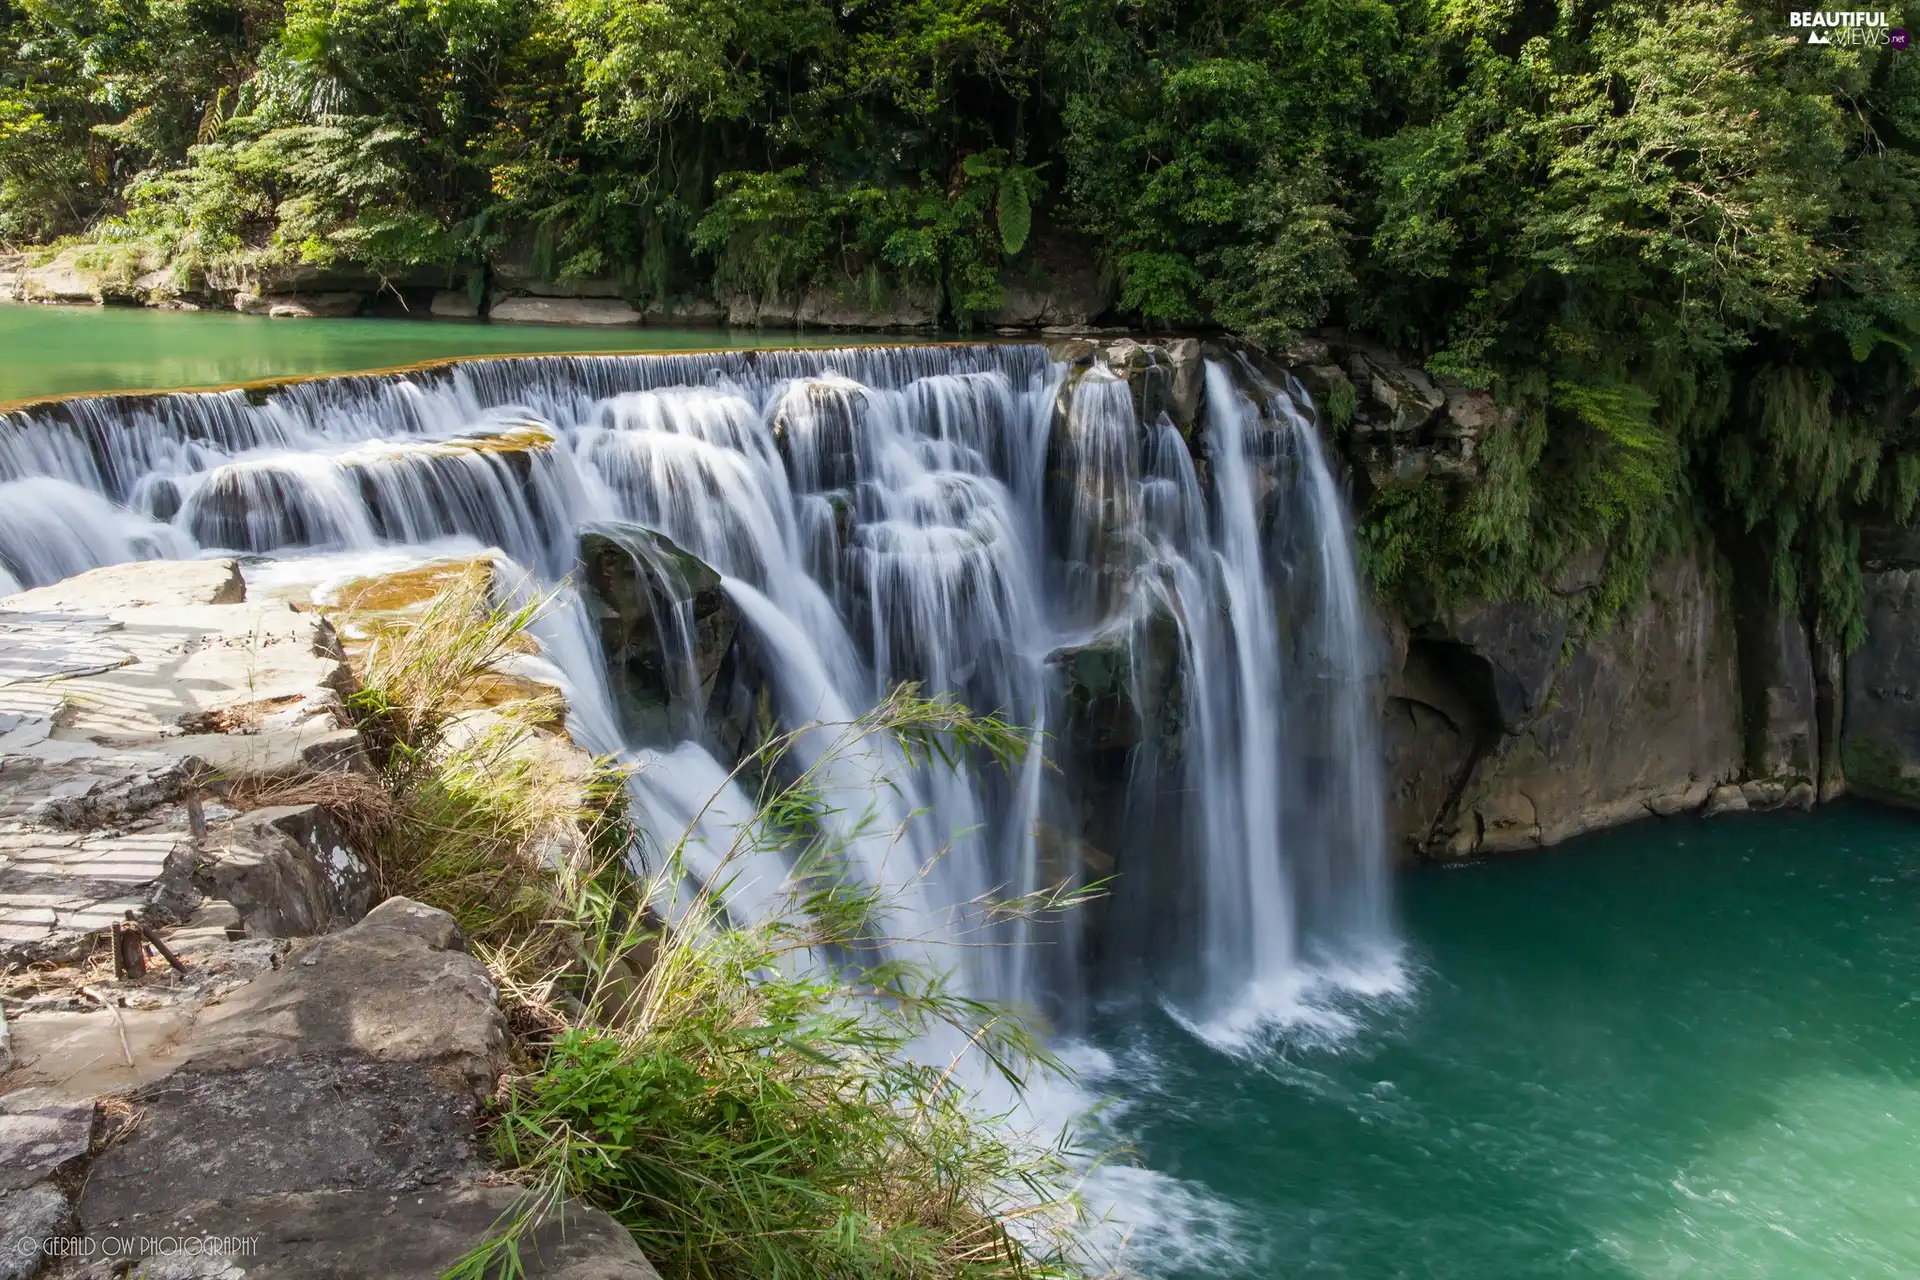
pixel 477 812
pixel 413 677
pixel 779 1099
pixel 784 1099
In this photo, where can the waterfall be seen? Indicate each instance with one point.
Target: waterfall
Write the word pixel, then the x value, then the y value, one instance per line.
pixel 1168 610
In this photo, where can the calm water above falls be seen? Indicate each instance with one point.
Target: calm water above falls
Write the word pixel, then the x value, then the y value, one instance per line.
pixel 1676 1049
pixel 53 351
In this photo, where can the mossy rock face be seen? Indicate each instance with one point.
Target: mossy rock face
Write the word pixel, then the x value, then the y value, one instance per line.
pixel 1880 771
pixel 1123 688
pixel 405 592
pixel 1880 747
pixel 666 627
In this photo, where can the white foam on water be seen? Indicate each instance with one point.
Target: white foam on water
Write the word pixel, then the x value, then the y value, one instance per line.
pixel 318 579
pixel 1152 1223
pixel 1321 1004
pixel 1134 1220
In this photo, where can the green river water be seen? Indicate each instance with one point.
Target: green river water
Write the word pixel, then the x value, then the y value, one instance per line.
pixel 1678 1049
pixel 51 351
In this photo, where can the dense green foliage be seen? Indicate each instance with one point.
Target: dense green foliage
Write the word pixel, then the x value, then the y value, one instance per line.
pixel 1681 240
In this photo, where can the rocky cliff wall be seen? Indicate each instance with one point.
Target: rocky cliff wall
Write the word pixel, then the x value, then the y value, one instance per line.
pixel 1880 695
pixel 1506 732
pixel 1507 726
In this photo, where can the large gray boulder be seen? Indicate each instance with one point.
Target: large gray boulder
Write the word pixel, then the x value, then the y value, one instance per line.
pixel 318 1121
pixel 396 1235
pixel 311 306
pixel 453 304
pixel 593 311
pixel 289 871
pixel 309 1122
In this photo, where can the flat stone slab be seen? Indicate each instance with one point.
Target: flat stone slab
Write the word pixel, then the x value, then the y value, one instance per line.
pixel 394 988
pixel 312 1123
pixel 352 1235
pixel 130 672
pixel 39 1136
pixel 72 1056
pixel 119 690
pixel 80 784
pixel 57 646
pixel 28 1217
pixel 58 889
pixel 226 760
pixel 136 584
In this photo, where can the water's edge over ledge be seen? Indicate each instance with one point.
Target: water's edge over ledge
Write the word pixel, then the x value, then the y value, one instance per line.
pixel 1492 742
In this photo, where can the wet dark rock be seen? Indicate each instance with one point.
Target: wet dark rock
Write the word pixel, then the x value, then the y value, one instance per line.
pixel 1055 284
pixel 1399 424
pixel 1399 398
pixel 818 427
pixel 1433 732
pixel 1122 688
pixel 1778 689
pixel 1505 655
pixel 666 627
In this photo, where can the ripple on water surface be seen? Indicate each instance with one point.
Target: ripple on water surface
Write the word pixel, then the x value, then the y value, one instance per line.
pixel 1678 1049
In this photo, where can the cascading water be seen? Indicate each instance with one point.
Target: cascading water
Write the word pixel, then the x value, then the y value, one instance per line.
pixel 1171 612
